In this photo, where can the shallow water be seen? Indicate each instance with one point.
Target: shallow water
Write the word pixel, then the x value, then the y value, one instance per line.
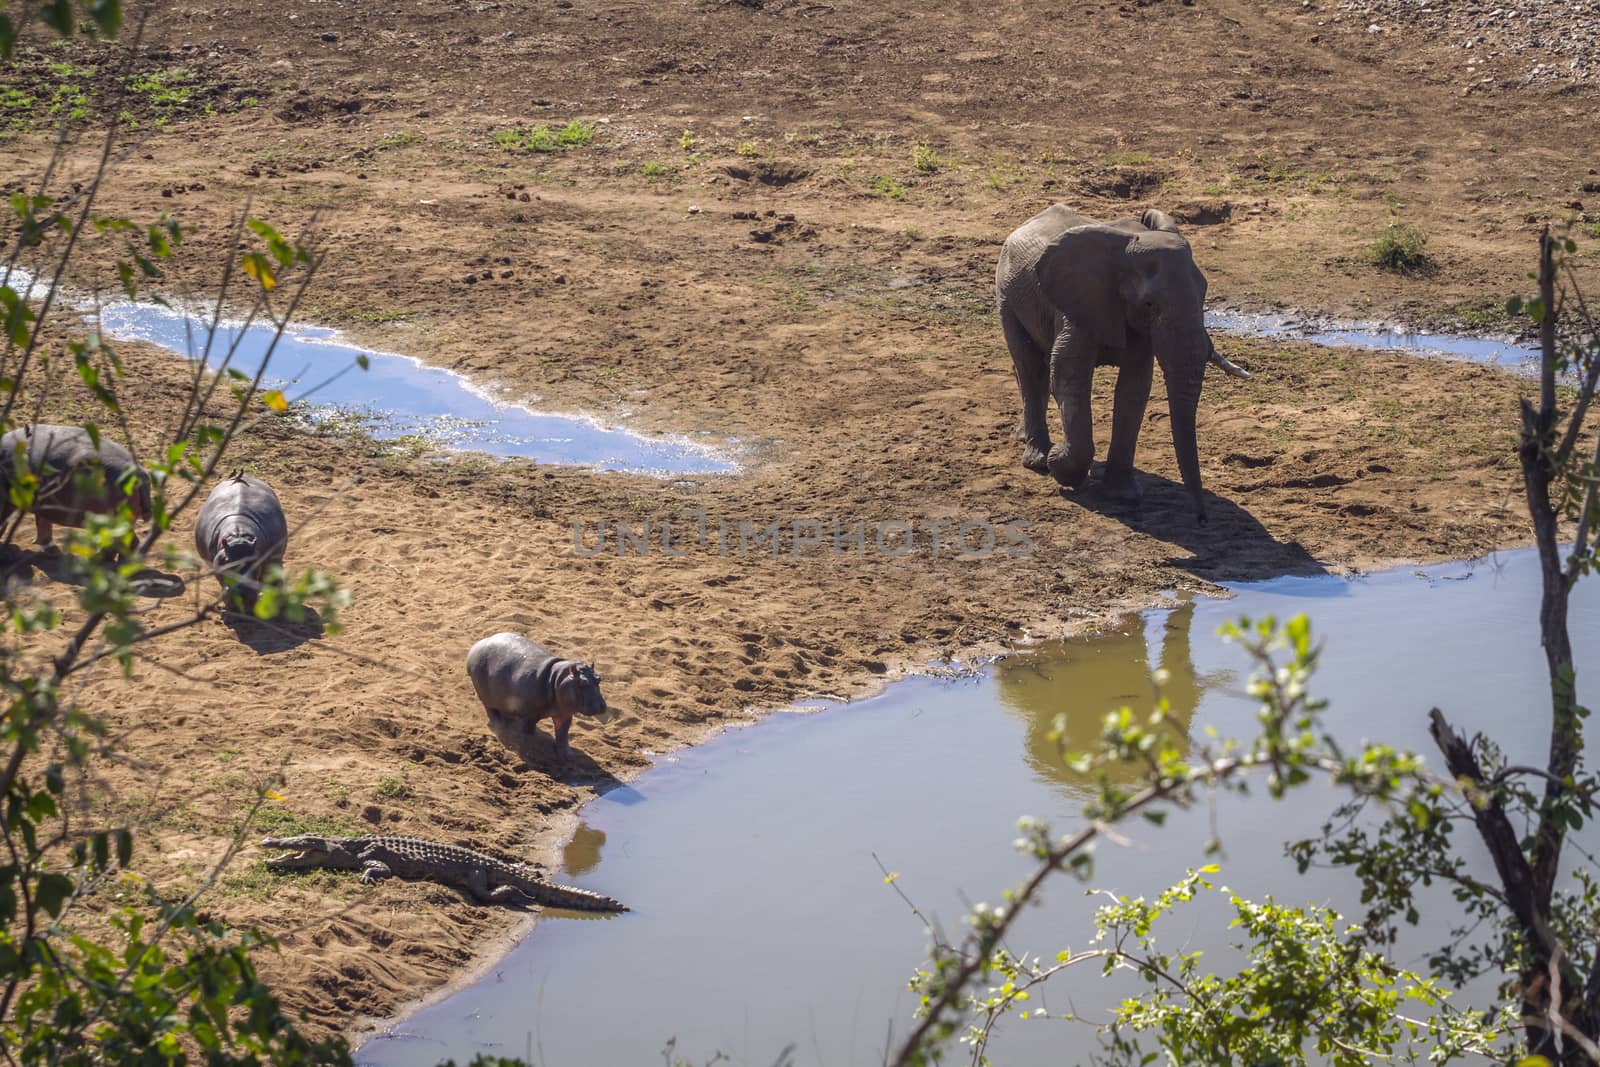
pixel 405 396
pixel 1500 352
pixel 761 918
pixel 396 395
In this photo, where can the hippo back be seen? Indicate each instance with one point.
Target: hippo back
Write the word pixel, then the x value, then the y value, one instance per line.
pixel 513 674
pixel 65 458
pixel 245 511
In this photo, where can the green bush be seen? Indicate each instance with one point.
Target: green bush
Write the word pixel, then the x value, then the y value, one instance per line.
pixel 542 138
pixel 1400 249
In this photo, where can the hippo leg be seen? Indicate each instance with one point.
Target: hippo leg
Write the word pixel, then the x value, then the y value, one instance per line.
pixel 563 728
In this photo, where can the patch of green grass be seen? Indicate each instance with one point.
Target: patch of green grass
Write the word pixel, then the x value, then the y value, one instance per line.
pixel 653 169
pixel 1399 249
pixel 1487 315
pixel 888 188
pixel 16 105
pixel 542 138
pixel 687 141
pixel 925 159
pixel 392 789
pixel 257 883
pixel 67 71
pixel 381 317
pixel 71 102
pixel 747 149
pixel 913 233
pixel 398 140
pixel 168 90
pixel 275 820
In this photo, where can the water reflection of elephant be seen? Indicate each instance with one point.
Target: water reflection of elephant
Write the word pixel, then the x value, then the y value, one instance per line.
pixel 1087 677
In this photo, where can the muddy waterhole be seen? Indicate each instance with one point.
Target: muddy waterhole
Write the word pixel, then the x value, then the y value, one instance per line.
pixel 761 918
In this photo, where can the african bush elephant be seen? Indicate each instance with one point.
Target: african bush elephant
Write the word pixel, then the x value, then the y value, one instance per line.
pixel 1075 294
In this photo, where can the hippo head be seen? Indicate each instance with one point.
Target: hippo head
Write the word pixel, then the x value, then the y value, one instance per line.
pixel 233 566
pixel 578 691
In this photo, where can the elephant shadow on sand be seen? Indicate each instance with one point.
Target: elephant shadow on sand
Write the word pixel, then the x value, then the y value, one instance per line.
pixel 1231 546
pixel 537 749
pixel 1083 678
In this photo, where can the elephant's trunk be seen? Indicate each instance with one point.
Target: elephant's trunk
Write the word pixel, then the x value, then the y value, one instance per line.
pixel 1185 371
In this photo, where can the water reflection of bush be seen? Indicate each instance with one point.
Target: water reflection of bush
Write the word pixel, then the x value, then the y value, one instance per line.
pixel 1086 677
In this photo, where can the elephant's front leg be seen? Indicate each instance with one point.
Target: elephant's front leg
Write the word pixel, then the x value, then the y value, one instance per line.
pixel 1133 392
pixel 1071 378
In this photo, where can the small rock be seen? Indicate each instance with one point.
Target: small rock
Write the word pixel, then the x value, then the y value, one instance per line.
pixel 694 209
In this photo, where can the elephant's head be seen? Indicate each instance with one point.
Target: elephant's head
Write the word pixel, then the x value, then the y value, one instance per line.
pixel 1132 281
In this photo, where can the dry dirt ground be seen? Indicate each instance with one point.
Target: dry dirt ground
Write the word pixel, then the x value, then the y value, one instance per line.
pixel 783 231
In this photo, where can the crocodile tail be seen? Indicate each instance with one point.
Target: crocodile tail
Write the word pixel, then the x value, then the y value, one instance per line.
pixel 551 895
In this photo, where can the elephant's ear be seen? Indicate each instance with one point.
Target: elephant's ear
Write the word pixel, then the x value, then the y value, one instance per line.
pixel 1081 274
pixel 1158 220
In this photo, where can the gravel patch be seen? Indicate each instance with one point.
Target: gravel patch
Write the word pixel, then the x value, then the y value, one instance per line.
pixel 1512 42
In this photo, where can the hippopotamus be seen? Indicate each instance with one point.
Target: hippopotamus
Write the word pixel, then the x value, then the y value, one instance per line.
pixel 76 478
pixel 240 531
pixel 516 678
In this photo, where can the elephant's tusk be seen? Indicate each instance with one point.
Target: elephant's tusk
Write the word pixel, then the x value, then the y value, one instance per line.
pixel 1233 369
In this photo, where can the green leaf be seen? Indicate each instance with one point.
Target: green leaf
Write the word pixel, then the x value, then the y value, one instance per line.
pixel 52 892
pixel 8 36
pixel 107 15
pixel 57 14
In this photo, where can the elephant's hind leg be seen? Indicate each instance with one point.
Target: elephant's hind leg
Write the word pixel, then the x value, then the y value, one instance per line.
pixel 1033 381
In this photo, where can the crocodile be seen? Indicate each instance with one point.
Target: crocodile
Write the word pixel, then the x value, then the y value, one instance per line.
pixel 486 879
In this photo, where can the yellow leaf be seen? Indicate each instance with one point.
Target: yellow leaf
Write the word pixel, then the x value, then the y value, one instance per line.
pixel 273 398
pixel 256 266
pixel 891 877
pixel 272 794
